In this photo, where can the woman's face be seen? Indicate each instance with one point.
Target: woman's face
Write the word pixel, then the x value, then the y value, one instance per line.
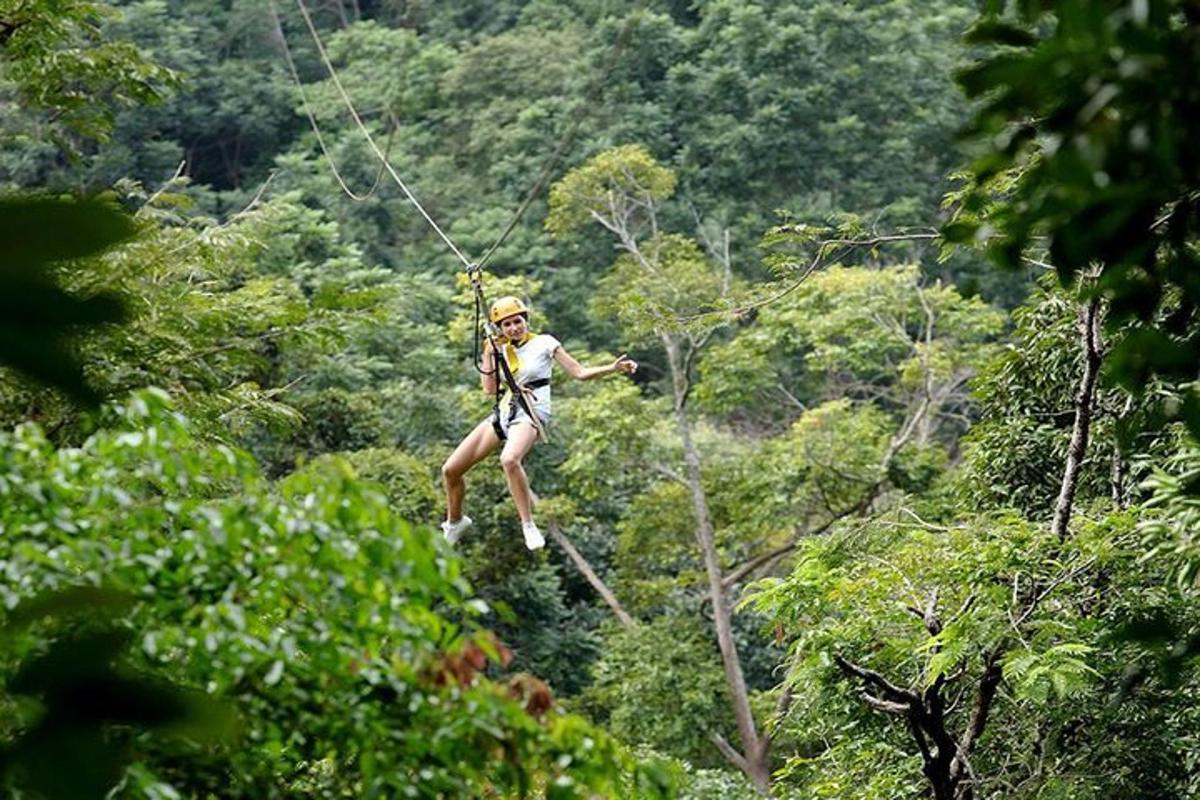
pixel 513 327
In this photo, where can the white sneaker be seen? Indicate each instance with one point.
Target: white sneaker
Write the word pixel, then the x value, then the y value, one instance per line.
pixel 453 530
pixel 533 537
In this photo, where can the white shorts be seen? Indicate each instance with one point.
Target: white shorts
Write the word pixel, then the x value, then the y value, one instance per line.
pixel 507 420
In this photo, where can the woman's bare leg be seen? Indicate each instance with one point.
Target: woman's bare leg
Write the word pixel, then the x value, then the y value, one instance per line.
pixel 474 448
pixel 521 438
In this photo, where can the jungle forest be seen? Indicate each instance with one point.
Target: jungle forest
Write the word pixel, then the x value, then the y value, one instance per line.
pixel 880 479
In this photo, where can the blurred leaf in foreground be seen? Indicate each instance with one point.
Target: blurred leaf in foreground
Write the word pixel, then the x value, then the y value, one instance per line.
pixel 37 317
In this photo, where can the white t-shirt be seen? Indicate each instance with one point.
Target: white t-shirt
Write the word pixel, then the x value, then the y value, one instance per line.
pixel 536 359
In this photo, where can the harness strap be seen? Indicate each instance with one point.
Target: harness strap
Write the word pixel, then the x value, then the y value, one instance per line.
pixel 513 407
pixel 538 384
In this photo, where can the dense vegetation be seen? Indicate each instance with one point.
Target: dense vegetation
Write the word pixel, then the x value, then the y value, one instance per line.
pixel 878 518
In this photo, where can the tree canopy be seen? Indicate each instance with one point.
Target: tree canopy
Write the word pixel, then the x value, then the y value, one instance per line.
pixel 900 503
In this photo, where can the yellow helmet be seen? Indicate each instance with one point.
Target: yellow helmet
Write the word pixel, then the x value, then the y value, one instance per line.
pixel 506 307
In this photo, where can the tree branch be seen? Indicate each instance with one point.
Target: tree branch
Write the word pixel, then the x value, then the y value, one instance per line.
pixel 989 683
pixel 1045 591
pixel 820 258
pixel 749 566
pixel 727 750
pixel 1084 397
pixel 890 690
pixel 586 570
pixel 883 705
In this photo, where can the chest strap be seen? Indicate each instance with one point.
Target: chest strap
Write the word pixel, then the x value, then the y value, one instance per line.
pixel 538 384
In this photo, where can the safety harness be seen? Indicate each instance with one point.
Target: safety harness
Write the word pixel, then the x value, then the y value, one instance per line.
pixel 523 392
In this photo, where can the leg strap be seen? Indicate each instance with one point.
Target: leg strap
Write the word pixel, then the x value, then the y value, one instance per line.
pixel 496 426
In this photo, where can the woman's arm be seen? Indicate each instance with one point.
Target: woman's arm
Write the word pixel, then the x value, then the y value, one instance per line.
pixel 579 372
pixel 488 374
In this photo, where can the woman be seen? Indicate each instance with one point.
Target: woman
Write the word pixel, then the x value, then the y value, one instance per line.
pixel 530 360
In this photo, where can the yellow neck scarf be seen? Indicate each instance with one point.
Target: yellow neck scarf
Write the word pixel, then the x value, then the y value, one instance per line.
pixel 510 351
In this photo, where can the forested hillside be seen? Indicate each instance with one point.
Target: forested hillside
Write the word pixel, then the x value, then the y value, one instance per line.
pixel 899 502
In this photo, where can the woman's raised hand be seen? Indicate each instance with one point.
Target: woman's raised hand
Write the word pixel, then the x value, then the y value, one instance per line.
pixel 625 364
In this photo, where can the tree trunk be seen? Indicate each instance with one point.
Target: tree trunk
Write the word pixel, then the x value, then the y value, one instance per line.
pixel 753 759
pixel 945 758
pixel 1089 325
pixel 1117 479
pixel 1117 475
pixel 585 568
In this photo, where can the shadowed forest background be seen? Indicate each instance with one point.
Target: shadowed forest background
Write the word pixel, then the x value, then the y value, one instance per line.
pixel 902 502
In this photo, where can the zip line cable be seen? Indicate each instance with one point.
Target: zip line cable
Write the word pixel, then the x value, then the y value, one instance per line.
pixel 568 137
pixel 312 121
pixel 370 139
pixel 474 269
pixel 547 169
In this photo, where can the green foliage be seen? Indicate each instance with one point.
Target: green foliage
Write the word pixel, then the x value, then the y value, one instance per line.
pixel 261 321
pixel 336 631
pixel 73 694
pixel 1170 524
pixel 672 697
pixel 655 549
pixel 831 453
pixel 1107 175
pixel 331 341
pixel 853 595
pixel 889 563
pixel 609 429
pixel 57 59
pixel 1061 671
pixel 551 631
pixel 623 182
pixel 652 292
pixel 857 332
pixel 714 784
pixel 406 480
pixel 1026 394
pixel 755 107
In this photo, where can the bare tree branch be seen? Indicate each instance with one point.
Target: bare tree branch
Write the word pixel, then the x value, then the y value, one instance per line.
pixel 589 574
pixel 1048 589
pixel 727 750
pixel 989 682
pixel 890 690
pixel 820 258
pixel 1089 325
pixel 884 705
pixel 754 563
pixel 746 567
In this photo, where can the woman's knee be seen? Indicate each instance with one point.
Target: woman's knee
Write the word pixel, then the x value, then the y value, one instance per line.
pixel 510 462
pixel 451 471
